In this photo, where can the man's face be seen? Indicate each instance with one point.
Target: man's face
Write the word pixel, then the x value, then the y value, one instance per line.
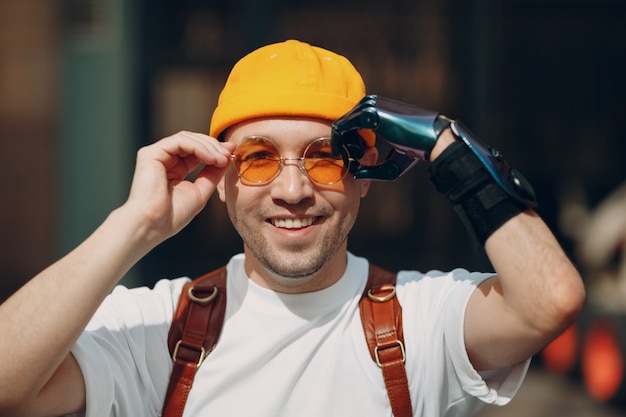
pixel 294 230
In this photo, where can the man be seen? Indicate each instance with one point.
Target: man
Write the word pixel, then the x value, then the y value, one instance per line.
pixel 292 342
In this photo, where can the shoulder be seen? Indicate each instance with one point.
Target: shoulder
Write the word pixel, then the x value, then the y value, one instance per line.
pixel 434 295
pixel 439 281
pixel 139 305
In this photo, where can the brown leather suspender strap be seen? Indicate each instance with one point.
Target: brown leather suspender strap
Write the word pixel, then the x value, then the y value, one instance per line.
pixel 381 316
pixel 194 332
pixel 200 314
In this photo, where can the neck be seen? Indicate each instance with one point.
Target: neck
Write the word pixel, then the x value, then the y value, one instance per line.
pixel 328 274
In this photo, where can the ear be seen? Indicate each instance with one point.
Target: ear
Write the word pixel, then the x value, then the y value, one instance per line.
pixel 370 157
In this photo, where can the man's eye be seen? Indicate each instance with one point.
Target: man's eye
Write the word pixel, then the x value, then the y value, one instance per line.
pixel 256 156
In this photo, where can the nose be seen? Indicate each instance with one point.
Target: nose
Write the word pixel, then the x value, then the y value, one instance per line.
pixel 292 184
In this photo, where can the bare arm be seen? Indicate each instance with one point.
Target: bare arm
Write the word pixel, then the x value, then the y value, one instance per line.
pixel 537 292
pixel 41 322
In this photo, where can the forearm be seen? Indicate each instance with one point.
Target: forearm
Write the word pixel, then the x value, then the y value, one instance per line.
pixel 534 272
pixel 41 322
pixel 538 280
pixel 537 291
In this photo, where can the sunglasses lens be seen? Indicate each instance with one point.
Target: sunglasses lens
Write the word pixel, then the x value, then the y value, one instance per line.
pixel 320 163
pixel 257 160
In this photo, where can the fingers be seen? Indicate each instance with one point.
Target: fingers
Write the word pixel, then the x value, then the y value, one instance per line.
pixel 184 151
pixel 161 189
pixel 178 155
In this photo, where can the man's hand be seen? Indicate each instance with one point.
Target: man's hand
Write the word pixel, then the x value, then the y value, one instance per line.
pixel 163 191
pixel 411 131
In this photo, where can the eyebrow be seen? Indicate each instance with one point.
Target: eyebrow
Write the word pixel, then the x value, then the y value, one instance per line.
pixel 278 147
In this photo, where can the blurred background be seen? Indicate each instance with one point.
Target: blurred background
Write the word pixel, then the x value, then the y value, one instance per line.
pixel 85 83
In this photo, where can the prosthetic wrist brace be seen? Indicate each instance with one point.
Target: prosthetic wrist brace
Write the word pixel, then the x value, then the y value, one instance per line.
pixel 484 190
pixel 478 197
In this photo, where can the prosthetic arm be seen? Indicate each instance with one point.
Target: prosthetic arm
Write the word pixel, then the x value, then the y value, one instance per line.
pixel 473 176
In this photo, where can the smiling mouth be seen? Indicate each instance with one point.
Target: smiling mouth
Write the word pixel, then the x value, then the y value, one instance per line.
pixel 293 223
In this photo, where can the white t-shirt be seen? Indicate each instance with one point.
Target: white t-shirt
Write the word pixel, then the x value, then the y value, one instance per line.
pixel 290 355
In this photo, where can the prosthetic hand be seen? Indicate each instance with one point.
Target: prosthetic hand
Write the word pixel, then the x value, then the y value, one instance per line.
pixel 474 177
pixel 412 132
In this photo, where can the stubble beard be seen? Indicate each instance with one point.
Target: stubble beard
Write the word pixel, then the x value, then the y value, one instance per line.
pixel 296 264
pixel 299 262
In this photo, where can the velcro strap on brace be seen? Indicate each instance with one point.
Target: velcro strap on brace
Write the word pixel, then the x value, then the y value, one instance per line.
pixel 480 202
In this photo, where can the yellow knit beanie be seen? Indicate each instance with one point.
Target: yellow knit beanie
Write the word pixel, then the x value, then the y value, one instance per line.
pixel 290 78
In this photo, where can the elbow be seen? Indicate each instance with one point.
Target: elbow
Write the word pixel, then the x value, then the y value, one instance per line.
pixel 567 297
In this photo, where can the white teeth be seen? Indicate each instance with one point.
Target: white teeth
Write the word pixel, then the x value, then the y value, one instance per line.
pixel 293 223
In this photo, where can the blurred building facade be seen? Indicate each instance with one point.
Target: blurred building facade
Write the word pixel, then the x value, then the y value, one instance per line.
pixel 85 83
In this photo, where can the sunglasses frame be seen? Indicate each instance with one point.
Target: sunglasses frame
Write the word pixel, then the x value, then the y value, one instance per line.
pixel 350 164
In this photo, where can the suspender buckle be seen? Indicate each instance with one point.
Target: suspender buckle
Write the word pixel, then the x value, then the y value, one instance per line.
pixel 200 359
pixel 397 344
pixel 201 300
pixel 391 292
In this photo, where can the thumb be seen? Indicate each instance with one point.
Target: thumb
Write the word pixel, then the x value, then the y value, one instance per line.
pixel 208 178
